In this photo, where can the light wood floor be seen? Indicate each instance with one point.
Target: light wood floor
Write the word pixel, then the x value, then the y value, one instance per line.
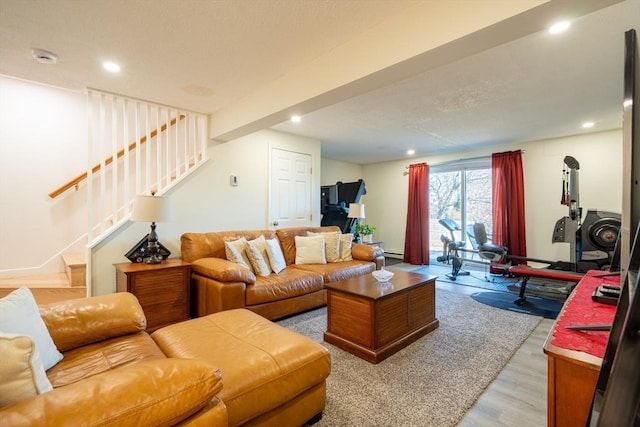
pixel 518 395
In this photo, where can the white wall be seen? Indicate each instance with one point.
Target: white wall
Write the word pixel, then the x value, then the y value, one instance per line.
pixel 207 202
pixel 599 154
pixel 337 171
pixel 42 146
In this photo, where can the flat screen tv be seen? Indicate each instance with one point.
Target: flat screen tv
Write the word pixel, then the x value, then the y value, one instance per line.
pixel 616 400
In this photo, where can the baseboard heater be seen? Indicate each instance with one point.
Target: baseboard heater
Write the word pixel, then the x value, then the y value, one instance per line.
pixel 393 255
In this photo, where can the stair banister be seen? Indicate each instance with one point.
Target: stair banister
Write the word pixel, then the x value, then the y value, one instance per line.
pixel 82 177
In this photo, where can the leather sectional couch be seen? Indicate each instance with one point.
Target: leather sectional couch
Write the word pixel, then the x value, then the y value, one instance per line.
pixel 219 284
pixel 227 369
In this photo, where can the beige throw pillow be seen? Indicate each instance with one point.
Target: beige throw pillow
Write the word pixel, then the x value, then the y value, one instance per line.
pixel 19 314
pixel 257 253
pixel 275 255
pixel 346 241
pixel 236 251
pixel 331 244
pixel 21 372
pixel 310 250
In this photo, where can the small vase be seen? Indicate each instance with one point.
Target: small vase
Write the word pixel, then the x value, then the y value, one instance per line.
pixel 368 238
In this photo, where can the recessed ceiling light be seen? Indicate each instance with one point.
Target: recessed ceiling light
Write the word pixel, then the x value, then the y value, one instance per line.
pixel 411 152
pixel 296 119
pixel 559 27
pixel 111 67
pixel 44 56
pixel 587 125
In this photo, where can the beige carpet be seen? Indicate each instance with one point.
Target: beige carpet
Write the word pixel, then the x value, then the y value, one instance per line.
pixel 435 380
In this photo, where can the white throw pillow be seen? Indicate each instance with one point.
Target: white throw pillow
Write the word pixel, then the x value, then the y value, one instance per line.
pixel 310 250
pixel 236 251
pixel 331 244
pixel 346 241
pixel 19 314
pixel 21 372
pixel 275 255
pixel 257 253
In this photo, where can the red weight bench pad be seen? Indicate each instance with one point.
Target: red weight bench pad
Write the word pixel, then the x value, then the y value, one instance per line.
pixel 543 273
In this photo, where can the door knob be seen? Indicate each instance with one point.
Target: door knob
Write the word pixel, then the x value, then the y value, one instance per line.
pixel 275 223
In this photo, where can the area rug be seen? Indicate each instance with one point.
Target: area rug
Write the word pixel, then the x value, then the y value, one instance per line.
pixel 532 305
pixel 432 382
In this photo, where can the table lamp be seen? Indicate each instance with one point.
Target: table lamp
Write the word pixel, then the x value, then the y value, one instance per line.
pixel 356 213
pixel 151 209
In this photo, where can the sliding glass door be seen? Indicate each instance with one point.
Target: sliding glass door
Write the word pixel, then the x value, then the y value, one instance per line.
pixel 460 191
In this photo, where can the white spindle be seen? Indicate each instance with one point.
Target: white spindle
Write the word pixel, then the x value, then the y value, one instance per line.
pixel 116 121
pixel 126 196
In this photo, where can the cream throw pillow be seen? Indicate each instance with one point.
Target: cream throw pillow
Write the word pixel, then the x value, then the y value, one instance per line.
pixel 21 372
pixel 257 253
pixel 236 251
pixel 275 255
pixel 310 250
pixel 19 314
pixel 331 244
pixel 346 241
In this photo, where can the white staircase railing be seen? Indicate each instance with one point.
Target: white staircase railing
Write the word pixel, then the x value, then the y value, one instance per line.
pixel 135 147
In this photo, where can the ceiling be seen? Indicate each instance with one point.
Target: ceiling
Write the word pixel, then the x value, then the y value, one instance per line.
pixel 205 55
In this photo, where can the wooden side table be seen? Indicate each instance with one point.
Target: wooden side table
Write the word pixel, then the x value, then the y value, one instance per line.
pixel 162 289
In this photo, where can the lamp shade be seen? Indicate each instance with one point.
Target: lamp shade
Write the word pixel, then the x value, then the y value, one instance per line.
pixel 356 210
pixel 151 209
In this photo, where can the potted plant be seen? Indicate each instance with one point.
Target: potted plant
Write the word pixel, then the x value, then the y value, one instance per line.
pixel 366 231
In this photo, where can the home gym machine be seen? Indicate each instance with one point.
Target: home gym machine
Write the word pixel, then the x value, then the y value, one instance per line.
pixel 591 242
pixel 490 253
pixel 334 203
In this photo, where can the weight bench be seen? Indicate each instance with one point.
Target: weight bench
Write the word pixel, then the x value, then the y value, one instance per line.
pixel 543 273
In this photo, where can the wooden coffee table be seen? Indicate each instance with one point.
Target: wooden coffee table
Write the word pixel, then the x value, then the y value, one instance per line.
pixel 373 320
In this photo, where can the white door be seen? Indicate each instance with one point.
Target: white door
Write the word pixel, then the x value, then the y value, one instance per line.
pixel 290 189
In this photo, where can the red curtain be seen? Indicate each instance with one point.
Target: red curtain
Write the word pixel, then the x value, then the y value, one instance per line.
pixel 416 238
pixel 508 202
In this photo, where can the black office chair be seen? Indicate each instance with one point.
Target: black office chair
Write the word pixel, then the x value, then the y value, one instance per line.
pixel 486 250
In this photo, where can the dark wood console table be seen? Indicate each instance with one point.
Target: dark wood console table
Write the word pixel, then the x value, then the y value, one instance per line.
pixel 575 357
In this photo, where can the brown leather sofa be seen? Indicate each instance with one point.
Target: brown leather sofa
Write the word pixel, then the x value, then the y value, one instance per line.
pixel 227 369
pixel 219 284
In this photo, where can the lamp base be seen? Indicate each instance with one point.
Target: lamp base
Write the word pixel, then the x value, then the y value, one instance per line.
pixel 139 253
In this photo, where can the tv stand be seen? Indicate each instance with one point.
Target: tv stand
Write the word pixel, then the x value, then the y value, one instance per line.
pixel 575 356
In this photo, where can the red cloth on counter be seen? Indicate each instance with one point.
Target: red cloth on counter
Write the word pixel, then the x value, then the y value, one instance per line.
pixel 580 309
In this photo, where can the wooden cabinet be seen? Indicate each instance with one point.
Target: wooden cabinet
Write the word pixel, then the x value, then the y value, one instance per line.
pixel 162 289
pixel 575 357
pixel 374 321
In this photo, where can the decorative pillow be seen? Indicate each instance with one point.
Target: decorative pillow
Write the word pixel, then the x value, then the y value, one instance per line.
pixel 346 240
pixel 257 253
pixel 310 250
pixel 275 255
pixel 331 244
pixel 21 372
pixel 236 251
pixel 19 314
